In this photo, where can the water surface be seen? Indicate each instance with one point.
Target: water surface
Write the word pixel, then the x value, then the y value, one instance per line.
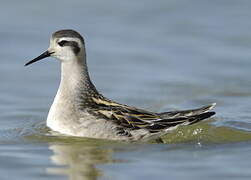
pixel 158 55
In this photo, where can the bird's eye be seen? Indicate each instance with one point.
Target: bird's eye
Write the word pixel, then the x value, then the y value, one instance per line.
pixel 62 43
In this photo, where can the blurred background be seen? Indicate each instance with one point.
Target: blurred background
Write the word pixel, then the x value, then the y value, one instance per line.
pixel 159 55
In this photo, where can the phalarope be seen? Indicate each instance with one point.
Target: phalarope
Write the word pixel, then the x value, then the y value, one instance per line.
pixel 80 110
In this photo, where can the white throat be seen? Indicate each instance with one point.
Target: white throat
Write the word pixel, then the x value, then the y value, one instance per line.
pixel 74 81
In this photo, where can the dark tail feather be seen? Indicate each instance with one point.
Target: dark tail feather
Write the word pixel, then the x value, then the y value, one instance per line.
pixel 199 117
pixel 183 120
pixel 165 124
pixel 187 113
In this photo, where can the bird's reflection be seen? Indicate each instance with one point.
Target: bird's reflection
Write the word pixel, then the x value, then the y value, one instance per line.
pixel 79 160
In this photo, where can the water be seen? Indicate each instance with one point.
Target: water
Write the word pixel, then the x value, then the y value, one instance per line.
pixel 158 55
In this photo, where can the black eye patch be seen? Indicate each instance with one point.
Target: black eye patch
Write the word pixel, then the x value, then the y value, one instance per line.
pixel 72 44
pixel 62 43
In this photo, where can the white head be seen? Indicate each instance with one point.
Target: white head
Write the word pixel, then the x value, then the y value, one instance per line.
pixel 65 45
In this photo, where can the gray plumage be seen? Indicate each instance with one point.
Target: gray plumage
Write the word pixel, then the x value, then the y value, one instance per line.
pixel 80 110
pixel 67 33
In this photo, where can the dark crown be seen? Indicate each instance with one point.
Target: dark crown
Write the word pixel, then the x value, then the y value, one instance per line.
pixel 67 33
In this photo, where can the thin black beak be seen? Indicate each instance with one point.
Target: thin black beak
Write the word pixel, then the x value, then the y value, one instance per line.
pixel 42 56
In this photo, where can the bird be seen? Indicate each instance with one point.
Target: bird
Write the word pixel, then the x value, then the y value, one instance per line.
pixel 80 110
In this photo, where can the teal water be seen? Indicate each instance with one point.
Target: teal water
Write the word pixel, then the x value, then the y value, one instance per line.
pixel 158 55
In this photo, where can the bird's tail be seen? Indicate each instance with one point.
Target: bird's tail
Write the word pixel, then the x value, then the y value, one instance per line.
pixel 189 113
pixel 171 120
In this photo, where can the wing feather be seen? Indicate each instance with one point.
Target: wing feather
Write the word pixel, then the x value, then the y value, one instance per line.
pixel 133 118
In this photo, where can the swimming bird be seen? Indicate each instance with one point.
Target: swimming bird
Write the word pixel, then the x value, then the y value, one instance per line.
pixel 80 110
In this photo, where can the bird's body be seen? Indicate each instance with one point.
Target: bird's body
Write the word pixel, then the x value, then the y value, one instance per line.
pixel 80 110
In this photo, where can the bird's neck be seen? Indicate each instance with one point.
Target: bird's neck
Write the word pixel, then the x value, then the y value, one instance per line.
pixel 75 80
pixel 73 96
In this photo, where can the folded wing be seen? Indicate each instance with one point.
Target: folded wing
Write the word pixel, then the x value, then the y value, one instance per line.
pixel 133 118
